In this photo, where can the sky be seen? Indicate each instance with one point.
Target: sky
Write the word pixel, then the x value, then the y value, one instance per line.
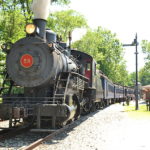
pixel 123 17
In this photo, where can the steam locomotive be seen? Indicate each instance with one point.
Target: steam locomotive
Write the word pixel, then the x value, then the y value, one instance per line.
pixel 57 84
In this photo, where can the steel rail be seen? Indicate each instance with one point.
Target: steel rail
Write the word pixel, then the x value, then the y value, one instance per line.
pixel 8 133
pixel 48 137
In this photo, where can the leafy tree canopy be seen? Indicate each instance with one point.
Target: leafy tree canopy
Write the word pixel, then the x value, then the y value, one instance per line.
pixel 131 79
pixel 144 74
pixel 63 22
pixel 14 14
pixel 146 49
pixel 11 26
pixel 107 51
pixel 25 6
pixel 62 2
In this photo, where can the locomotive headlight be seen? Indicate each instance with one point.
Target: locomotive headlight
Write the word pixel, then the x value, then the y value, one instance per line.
pixel 30 28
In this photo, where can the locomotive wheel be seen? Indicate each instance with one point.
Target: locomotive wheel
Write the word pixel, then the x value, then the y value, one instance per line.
pixel 86 108
pixel 78 112
pixel 98 106
pixel 103 104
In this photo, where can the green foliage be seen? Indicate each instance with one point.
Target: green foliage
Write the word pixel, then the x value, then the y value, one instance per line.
pixel 131 79
pixel 22 5
pixel 63 22
pixel 90 44
pixel 107 51
pixel 11 26
pixel 61 2
pixel 144 74
pixel 142 113
pixel 2 65
pixel 146 49
pixel 13 17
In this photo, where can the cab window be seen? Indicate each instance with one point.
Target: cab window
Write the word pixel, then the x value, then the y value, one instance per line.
pixel 88 66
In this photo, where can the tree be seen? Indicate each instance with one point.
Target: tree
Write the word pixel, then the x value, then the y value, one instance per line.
pixel 131 79
pixel 14 14
pixel 11 26
pixel 61 2
pixel 146 49
pixel 107 51
pixel 63 22
pixel 25 6
pixel 11 29
pixel 144 74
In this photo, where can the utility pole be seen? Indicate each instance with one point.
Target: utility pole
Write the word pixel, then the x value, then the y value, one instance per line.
pixel 136 65
pixel 135 43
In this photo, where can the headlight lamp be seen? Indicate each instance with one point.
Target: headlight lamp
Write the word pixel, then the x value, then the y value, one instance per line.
pixel 30 28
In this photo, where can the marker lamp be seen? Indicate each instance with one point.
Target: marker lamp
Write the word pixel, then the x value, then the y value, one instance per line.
pixel 30 28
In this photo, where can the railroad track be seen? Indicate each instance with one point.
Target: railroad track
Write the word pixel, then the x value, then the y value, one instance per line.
pixel 7 133
pixel 34 139
pixel 48 137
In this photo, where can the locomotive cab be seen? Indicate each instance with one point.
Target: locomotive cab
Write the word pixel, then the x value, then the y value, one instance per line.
pixel 87 66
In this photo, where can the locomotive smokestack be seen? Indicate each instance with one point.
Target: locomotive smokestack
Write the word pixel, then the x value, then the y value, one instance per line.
pixel 40 9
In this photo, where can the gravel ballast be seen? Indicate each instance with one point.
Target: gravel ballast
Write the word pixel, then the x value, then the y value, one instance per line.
pixel 108 129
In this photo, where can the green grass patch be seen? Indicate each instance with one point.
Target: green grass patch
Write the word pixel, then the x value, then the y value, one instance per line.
pixel 142 113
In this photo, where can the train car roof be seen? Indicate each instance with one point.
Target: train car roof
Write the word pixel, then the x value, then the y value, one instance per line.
pixel 103 75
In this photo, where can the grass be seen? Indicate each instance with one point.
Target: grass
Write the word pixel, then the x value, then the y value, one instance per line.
pixel 142 113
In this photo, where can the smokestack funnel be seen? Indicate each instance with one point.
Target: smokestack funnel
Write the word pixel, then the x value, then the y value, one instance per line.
pixel 40 10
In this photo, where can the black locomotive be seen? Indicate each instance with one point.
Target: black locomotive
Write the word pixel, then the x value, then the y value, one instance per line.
pixel 58 84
